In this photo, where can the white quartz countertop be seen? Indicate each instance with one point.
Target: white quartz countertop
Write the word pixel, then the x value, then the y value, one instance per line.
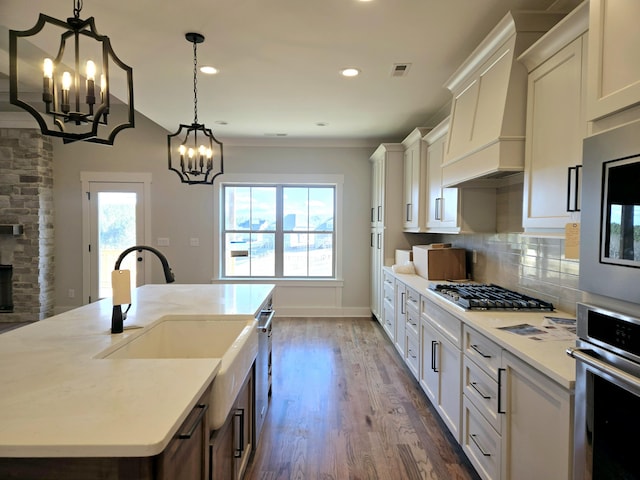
pixel 548 357
pixel 58 400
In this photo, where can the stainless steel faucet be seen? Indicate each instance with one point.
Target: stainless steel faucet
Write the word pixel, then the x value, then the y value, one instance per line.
pixel 117 317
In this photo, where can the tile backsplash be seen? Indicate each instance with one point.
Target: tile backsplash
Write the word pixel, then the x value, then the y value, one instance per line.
pixel 535 266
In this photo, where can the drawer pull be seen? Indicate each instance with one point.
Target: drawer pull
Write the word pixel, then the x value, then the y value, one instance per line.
pixel 473 385
pixel 482 354
pixel 196 423
pixel 473 437
pixel 238 432
pixel 500 410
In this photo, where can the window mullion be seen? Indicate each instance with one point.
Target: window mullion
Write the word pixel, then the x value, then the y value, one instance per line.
pixel 279 237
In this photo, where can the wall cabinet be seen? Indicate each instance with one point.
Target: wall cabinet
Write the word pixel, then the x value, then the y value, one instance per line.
pixel 556 125
pixel 454 210
pixel 414 182
pixel 614 70
pixel 516 422
pixel 441 359
pixel 231 445
pixel 386 223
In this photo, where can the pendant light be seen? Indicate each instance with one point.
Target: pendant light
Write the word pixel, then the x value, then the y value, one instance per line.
pixel 75 103
pixel 195 155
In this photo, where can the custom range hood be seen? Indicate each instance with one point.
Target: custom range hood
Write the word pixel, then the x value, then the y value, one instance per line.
pixel 488 111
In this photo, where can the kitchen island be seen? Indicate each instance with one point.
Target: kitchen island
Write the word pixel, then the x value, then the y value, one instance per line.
pixel 61 399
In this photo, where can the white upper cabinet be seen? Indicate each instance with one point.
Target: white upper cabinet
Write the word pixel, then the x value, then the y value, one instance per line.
pixel 614 66
pixel 442 203
pixel 414 185
pixel 486 136
pixel 556 125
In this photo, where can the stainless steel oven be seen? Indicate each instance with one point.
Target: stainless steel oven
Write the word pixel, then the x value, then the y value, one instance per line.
pixel 607 395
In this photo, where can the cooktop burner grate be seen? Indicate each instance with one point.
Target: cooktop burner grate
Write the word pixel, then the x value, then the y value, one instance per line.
pixel 475 296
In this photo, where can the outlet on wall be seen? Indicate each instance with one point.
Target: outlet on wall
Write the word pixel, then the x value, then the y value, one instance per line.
pixel 71 293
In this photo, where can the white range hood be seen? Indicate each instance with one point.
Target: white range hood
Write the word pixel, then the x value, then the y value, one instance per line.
pixel 488 111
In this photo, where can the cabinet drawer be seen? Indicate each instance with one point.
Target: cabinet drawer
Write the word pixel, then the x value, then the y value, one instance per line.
pixel 413 355
pixel 388 279
pixel 413 323
pixel 389 294
pixel 485 353
pixel 480 442
pixel 482 391
pixel 413 300
pixel 446 323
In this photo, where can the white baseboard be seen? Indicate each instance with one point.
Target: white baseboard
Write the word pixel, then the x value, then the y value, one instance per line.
pixel 297 311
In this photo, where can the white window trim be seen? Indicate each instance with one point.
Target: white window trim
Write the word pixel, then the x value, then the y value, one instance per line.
pixel 279 179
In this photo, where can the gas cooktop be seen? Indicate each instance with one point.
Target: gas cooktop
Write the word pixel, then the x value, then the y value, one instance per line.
pixel 475 296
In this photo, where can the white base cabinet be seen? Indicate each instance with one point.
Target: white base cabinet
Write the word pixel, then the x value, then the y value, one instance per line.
pixel 517 423
pixel 537 435
pixel 441 359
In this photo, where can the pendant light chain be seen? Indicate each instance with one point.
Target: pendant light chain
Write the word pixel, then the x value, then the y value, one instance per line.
pixel 195 83
pixel 77 7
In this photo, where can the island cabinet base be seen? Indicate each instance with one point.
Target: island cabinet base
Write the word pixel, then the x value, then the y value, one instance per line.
pixel 232 444
pixel 185 457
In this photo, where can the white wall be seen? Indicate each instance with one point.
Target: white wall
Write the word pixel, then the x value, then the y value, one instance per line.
pixel 181 212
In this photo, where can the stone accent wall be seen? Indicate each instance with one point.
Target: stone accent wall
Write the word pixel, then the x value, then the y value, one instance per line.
pixel 26 198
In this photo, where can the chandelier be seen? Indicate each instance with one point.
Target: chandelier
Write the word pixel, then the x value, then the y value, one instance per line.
pixel 75 102
pixel 194 153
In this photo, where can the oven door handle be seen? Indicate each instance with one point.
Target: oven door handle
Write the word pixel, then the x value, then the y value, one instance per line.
pixel 616 373
pixel 266 325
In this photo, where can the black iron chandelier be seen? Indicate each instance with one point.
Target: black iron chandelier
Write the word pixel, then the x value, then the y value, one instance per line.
pixel 196 156
pixel 72 105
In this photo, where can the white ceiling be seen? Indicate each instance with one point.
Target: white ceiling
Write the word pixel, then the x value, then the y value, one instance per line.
pixel 279 59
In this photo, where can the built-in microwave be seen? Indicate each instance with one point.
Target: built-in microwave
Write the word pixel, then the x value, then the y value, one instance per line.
pixel 610 218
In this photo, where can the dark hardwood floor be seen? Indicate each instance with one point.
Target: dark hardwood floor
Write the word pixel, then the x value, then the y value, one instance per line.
pixel 344 406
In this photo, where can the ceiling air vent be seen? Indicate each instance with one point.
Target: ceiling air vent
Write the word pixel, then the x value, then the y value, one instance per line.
pixel 400 69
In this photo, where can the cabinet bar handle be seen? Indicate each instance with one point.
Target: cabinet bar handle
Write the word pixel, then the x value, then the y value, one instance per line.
pixel 379 213
pixel 379 242
pixel 473 437
pixel 402 310
pixel 189 433
pixel 409 212
pixel 576 206
pixel 576 188
pixel 474 386
pixel 500 410
pixel 483 355
pixel 238 419
pixel 438 208
pixel 569 170
pixel 372 235
pixel 434 344
pixel 373 218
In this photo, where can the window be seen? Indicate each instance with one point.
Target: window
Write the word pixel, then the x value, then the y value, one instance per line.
pixel 279 231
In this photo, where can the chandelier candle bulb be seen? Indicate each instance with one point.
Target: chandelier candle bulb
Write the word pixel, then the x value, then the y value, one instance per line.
pixel 91 81
pixel 47 78
pixel 66 86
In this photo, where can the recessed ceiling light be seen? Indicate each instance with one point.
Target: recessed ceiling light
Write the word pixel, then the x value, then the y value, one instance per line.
pixel 276 134
pixel 322 124
pixel 221 122
pixel 350 72
pixel 209 70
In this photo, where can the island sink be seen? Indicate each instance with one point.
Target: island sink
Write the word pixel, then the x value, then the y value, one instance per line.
pixel 234 342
